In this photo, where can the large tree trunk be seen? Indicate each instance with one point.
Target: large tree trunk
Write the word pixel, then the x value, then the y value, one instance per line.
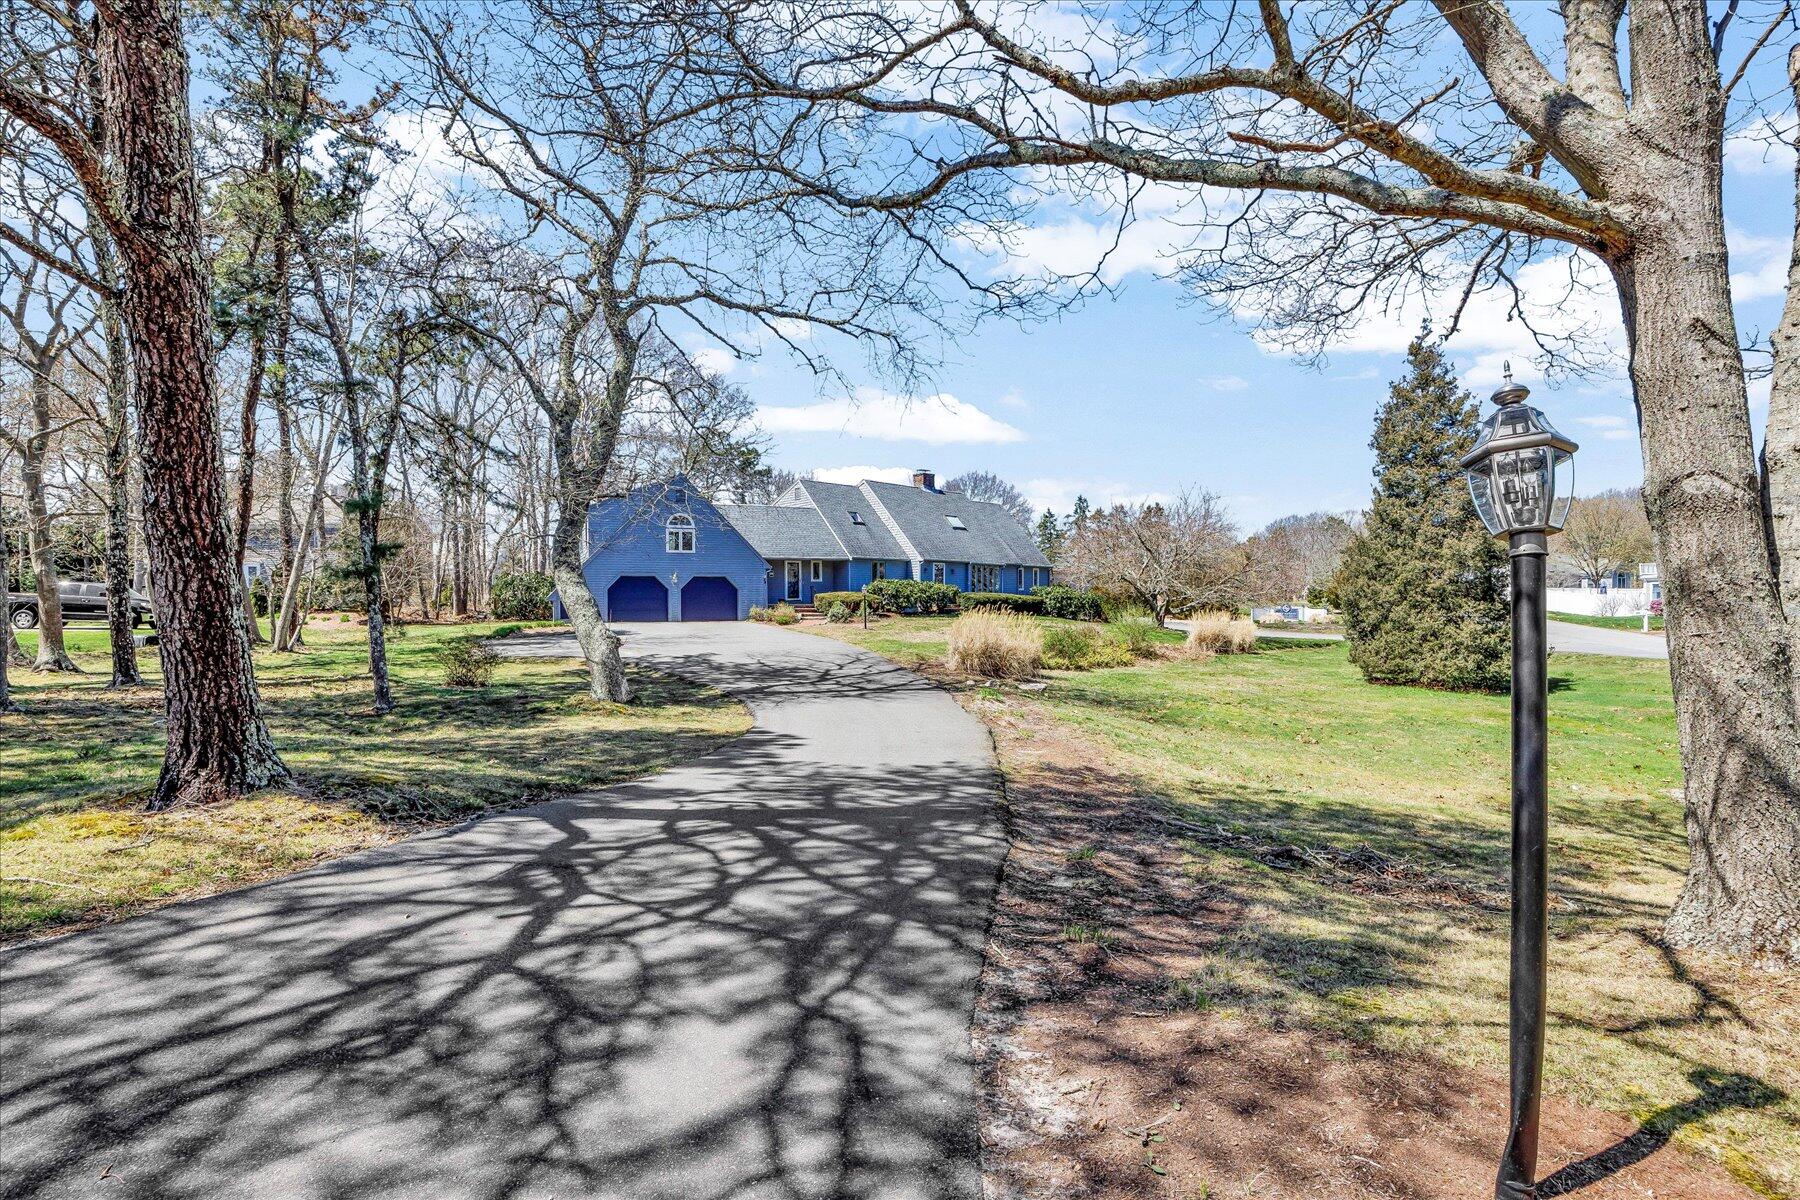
pixel 599 644
pixel 6 701
pixel 218 745
pixel 1729 651
pixel 118 471
pixel 51 656
pixel 1781 437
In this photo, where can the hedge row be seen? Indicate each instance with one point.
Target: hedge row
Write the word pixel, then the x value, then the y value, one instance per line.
pixel 1003 600
pixel 850 600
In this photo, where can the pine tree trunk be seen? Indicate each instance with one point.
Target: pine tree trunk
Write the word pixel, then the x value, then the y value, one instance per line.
pixel 1729 650
pixel 218 745
pixel 118 495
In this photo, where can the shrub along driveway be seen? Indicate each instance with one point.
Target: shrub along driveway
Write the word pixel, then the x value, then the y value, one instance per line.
pixel 748 976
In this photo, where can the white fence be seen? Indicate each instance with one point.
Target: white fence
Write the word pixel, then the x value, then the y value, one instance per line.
pixel 1594 602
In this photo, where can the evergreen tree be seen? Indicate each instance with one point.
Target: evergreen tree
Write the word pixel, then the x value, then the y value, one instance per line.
pixel 1423 586
pixel 1049 534
pixel 1078 515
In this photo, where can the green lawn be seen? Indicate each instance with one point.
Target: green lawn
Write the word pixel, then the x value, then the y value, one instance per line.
pixel 914 641
pixel 1290 747
pixel 75 766
pixel 1634 624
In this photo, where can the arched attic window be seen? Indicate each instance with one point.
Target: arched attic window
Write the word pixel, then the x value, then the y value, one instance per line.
pixel 681 534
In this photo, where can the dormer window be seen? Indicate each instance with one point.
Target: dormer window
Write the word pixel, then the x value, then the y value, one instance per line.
pixel 956 522
pixel 856 518
pixel 681 534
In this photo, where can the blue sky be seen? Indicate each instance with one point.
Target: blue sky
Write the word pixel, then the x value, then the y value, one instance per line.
pixel 1144 393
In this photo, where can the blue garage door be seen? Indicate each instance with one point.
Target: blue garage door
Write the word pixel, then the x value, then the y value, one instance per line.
pixel 637 598
pixel 709 598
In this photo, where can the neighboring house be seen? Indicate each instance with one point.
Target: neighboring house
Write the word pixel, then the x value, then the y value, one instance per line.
pixel 665 553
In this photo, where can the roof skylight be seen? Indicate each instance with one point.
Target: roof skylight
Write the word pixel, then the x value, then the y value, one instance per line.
pixel 956 522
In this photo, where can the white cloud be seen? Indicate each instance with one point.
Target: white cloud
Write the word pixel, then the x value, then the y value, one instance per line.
pixel 858 474
pixel 1012 399
pixel 1763 147
pixel 1226 383
pixel 1611 428
pixel 714 359
pixel 1764 263
pixel 1058 495
pixel 872 413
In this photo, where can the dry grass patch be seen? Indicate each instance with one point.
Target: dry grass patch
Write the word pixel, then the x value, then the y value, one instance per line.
pixel 995 645
pixel 1221 633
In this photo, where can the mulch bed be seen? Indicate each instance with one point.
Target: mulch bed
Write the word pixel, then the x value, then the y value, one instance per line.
pixel 1095 1084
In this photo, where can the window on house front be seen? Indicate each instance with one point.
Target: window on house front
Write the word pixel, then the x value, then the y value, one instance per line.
pixel 855 517
pixel 956 522
pixel 984 578
pixel 818 571
pixel 681 534
pixel 937 572
pixel 878 570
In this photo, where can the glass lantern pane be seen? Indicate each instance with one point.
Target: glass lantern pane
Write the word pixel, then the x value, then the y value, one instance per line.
pixel 1521 488
pixel 1562 488
pixel 1481 491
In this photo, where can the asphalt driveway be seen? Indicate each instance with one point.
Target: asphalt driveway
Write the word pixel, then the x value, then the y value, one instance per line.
pixel 750 976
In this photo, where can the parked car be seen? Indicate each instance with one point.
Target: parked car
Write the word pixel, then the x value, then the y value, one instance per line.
pixel 80 602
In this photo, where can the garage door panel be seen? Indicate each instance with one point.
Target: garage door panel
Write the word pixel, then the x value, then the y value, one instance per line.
pixel 709 598
pixel 637 598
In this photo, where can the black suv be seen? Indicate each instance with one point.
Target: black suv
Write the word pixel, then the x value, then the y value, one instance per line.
pixel 80 602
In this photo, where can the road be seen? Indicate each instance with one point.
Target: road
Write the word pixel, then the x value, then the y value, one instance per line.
pixel 1565 638
pixel 749 976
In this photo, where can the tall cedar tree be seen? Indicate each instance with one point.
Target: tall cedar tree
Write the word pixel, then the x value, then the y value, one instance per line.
pixel 1423 586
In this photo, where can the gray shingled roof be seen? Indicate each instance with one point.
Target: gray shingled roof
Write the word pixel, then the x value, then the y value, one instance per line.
pixel 923 516
pixel 782 532
pixel 835 502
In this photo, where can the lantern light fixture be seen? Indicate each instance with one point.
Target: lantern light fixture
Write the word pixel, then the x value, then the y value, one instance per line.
pixel 1521 470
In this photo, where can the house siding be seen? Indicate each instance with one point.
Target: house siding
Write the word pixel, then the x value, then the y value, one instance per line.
pixel 627 536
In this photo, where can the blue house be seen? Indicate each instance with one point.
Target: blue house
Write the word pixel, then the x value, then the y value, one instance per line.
pixel 666 553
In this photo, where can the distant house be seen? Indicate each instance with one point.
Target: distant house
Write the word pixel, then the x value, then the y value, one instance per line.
pixel 666 553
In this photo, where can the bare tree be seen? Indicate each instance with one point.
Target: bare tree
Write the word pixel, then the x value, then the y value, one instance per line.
pixel 1172 558
pixel 985 485
pixel 640 176
pixel 1605 532
pixel 1337 161
pixel 138 180
pixel 1293 555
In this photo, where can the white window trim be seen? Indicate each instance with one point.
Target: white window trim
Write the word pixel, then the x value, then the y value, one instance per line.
pixel 937 572
pixel 818 571
pixel 674 530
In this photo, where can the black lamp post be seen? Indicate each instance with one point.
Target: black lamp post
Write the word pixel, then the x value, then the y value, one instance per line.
pixel 1521 472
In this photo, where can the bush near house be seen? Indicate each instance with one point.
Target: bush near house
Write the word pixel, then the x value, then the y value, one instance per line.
pixel 1071 604
pixel 995 645
pixel 1005 601
pixel 467 662
pixel 777 614
pixel 839 613
pixel 521 596
pixel 913 596
pixel 826 601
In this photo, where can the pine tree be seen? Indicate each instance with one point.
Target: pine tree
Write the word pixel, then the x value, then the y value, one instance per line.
pixel 1049 534
pixel 1078 515
pixel 1423 586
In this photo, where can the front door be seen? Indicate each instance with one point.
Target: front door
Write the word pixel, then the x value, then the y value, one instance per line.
pixel 793 581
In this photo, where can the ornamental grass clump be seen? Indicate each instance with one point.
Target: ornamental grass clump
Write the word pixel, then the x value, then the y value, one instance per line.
pixel 996 645
pixel 1081 648
pixel 1221 633
pixel 1137 634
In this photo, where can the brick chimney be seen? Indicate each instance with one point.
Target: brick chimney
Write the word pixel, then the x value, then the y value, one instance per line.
pixel 924 479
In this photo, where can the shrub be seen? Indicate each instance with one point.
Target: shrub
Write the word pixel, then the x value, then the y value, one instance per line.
pixel 838 614
pixel 467 662
pixel 825 601
pixel 779 614
pixel 913 596
pixel 1656 608
pixel 1071 604
pixel 1137 635
pixel 1079 648
pixel 521 596
pixel 506 631
pixel 1005 601
pixel 1221 633
pixel 995 645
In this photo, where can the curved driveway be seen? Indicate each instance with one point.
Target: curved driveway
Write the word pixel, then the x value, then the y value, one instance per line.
pixel 749 976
